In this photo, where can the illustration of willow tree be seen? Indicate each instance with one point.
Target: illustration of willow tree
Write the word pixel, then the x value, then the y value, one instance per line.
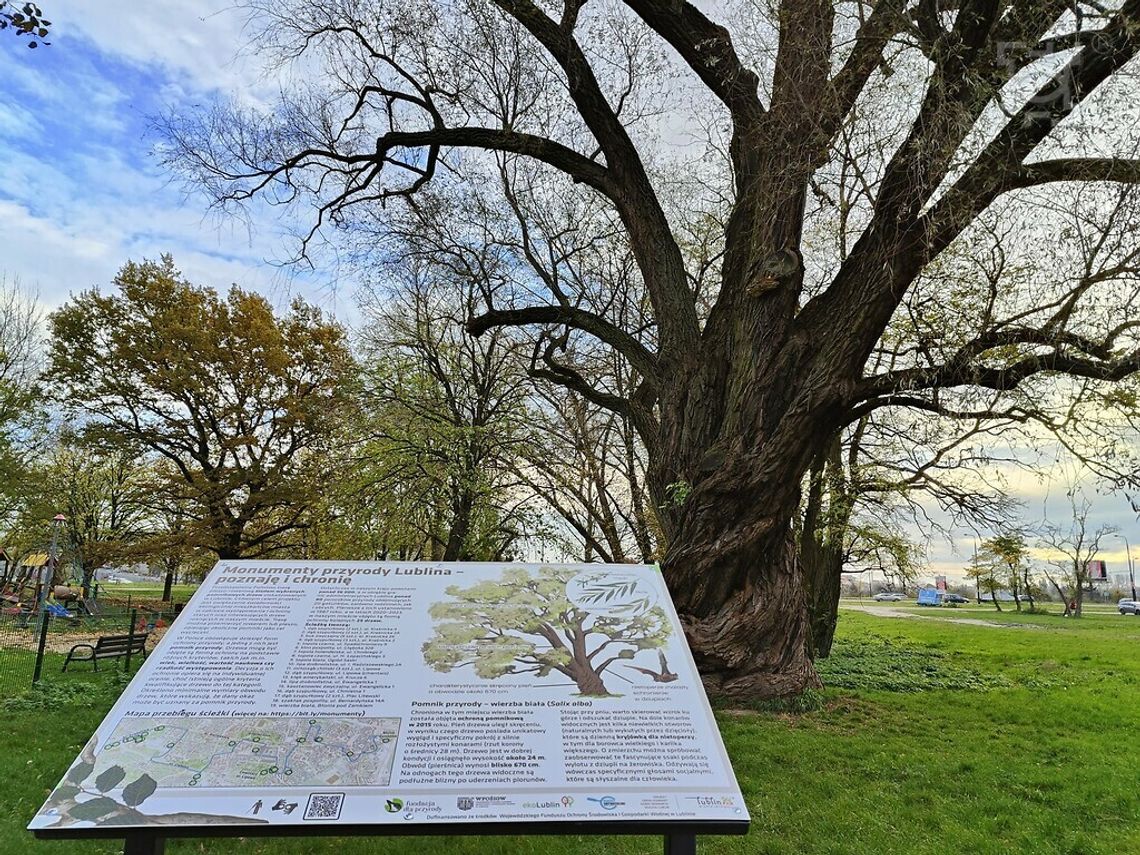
pixel 755 353
pixel 525 624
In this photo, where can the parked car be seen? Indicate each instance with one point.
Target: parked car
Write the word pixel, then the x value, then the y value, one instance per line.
pixel 956 598
pixel 1128 607
pixel 889 597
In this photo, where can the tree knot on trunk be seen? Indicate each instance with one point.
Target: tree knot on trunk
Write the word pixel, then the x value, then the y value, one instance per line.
pixel 773 270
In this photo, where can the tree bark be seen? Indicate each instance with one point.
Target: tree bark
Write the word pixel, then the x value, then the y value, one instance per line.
pixel 462 509
pixel 822 570
pixel 822 541
pixel 739 593
pixel 738 437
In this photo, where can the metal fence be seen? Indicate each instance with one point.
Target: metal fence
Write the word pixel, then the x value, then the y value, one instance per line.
pixel 34 649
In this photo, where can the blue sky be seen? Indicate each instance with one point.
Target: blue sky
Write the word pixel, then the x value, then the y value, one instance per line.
pixel 80 190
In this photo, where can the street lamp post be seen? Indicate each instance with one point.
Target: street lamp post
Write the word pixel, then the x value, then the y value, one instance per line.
pixel 46 576
pixel 48 573
pixel 1131 570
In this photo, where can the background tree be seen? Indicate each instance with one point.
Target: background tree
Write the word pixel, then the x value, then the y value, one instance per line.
pixel 446 420
pixel 525 624
pixel 237 403
pixel 24 414
pixel 101 494
pixel 741 385
pixel 879 478
pixel 1073 547
pixel 586 464
pixel 984 575
pixel 163 539
pixel 1008 555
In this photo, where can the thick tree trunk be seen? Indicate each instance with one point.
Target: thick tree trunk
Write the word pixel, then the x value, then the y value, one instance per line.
pixel 821 543
pixel 822 568
pixel 739 593
pixel 741 420
pixel 462 508
pixel 740 455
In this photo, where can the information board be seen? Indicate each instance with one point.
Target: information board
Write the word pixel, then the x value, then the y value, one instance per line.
pixel 346 693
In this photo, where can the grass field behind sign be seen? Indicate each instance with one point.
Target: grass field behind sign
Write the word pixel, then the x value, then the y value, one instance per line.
pixel 934 736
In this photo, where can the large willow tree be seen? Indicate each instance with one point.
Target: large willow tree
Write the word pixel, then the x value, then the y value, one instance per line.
pixel 901 121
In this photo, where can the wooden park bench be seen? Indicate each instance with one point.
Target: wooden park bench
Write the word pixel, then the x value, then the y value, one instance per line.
pixel 108 647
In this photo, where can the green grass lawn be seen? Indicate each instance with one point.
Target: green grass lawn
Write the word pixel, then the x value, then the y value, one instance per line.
pixel 934 736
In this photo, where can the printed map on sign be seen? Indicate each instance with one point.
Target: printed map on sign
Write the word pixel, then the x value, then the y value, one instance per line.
pixel 248 752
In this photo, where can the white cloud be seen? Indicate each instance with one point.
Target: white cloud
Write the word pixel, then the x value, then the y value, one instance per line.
pixel 198 42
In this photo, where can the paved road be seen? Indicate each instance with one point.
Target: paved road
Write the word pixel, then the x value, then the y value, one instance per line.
pixel 889 611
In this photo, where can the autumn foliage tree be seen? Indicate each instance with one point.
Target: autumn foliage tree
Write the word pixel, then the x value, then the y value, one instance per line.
pixel 754 348
pixel 235 404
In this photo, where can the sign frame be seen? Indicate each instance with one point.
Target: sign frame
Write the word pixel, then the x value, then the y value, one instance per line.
pixel 680 838
pixel 679 832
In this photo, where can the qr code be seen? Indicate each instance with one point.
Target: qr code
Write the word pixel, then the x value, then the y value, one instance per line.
pixel 324 806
